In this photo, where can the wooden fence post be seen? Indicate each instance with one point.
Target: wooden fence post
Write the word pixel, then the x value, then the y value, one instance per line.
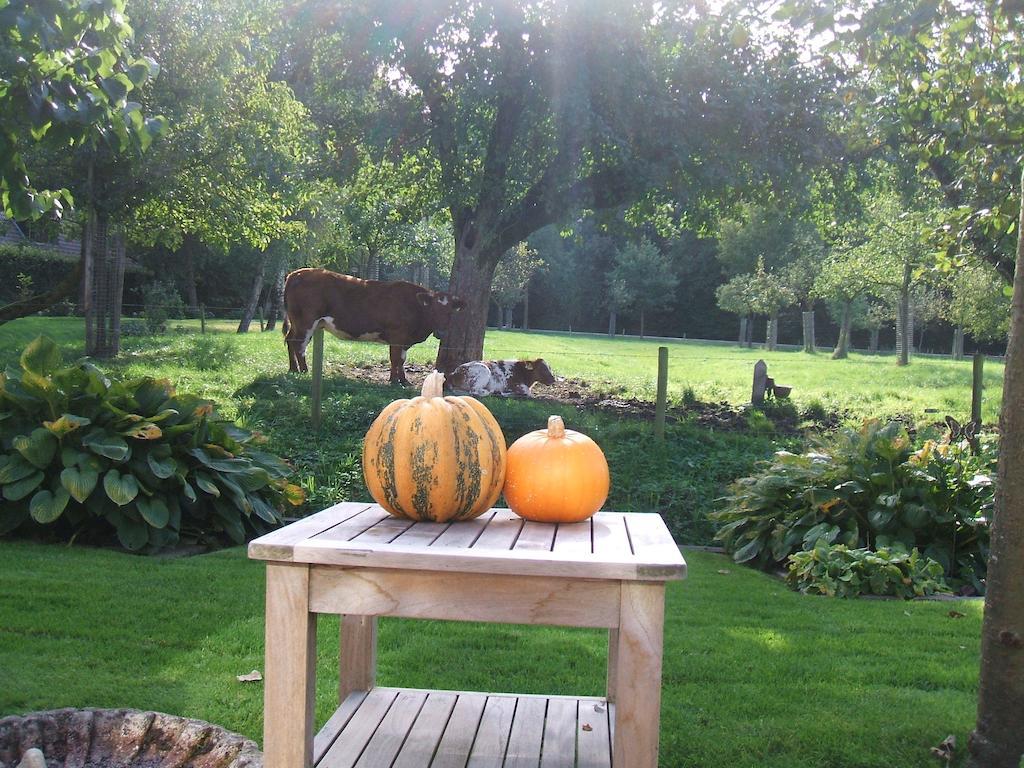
pixel 977 385
pixel 659 407
pixel 202 318
pixel 318 378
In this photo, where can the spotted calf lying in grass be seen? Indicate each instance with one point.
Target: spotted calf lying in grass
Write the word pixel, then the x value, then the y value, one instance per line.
pixel 499 377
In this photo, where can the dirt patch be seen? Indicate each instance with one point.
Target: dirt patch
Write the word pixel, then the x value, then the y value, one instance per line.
pixel 579 393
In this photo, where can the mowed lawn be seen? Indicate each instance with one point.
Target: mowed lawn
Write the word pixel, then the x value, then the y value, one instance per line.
pixel 863 386
pixel 754 675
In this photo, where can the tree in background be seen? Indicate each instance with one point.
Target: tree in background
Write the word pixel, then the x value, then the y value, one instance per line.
pixel 736 296
pixel 845 278
pixel 945 90
pixel 67 78
pixel 977 305
pixel 770 294
pixel 535 112
pixel 642 280
pixel 512 279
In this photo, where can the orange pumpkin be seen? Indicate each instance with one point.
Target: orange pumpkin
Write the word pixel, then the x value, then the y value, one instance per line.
pixel 433 457
pixel 556 475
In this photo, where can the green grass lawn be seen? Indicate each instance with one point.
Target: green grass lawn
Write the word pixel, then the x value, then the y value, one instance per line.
pixel 863 386
pixel 754 675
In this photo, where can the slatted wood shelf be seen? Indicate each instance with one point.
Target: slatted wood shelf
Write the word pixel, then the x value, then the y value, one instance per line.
pixel 609 545
pixel 409 728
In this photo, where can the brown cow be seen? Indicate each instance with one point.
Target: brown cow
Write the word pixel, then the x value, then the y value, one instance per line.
pixel 499 377
pixel 398 314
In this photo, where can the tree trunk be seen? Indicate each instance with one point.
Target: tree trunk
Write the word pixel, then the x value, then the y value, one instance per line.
pixel 120 257
pixel 810 343
pixel 188 247
pixel 842 349
pixel 904 321
pixel 275 299
pixel 873 343
pixel 744 321
pixel 920 339
pixel 254 295
pixel 472 274
pixel 998 738
pixel 526 309
pixel 750 332
pixel 103 292
pixel 611 323
pixel 641 323
pixel 771 335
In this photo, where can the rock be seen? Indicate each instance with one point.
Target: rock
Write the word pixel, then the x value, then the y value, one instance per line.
pixel 33 758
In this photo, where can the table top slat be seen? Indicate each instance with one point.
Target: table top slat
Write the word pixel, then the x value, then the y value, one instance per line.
pixel 351 527
pixel 501 533
pixel 574 537
pixel 535 536
pixel 626 546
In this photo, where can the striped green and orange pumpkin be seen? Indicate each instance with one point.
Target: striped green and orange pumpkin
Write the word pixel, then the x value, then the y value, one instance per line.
pixel 433 457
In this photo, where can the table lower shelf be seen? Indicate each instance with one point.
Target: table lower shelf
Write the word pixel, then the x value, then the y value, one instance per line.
pixel 408 728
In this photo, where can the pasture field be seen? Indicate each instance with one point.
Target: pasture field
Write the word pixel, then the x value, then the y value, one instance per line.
pixel 754 675
pixel 863 386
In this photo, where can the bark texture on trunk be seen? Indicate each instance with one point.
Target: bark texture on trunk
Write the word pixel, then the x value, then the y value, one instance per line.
pixel 106 260
pixel 275 299
pixel 611 323
pixel 810 343
pixel 771 335
pixel 254 295
pixel 526 309
pixel 641 323
pixel 842 349
pixel 904 321
pixel 958 344
pixel 998 737
pixel 472 273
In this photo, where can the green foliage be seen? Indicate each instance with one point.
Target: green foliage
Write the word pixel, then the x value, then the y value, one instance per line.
pixel 161 302
pixel 517 267
pixel 642 278
pixel 838 571
pixel 978 303
pixel 43 266
pixel 87 455
pixel 866 487
pixel 67 78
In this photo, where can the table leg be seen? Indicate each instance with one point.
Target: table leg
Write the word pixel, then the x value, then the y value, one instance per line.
pixel 637 682
pixel 613 664
pixel 289 669
pixel 357 663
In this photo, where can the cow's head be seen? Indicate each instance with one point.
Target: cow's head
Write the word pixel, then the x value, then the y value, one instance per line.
pixel 438 307
pixel 538 371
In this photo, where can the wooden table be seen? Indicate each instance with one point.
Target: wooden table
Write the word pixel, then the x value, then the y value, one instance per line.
pixel 357 561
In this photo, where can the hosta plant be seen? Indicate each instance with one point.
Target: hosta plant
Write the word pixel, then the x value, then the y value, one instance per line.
pixel 838 571
pixel 84 455
pixel 866 488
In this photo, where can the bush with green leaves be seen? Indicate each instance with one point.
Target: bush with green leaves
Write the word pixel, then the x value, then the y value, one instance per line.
pixel 867 488
pixel 83 455
pixel 838 571
pixel 161 302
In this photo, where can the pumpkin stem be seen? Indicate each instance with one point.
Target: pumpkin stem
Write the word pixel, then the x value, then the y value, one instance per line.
pixel 433 385
pixel 556 428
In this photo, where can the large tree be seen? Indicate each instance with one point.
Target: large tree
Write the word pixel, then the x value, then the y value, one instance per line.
pixel 535 110
pixel 944 80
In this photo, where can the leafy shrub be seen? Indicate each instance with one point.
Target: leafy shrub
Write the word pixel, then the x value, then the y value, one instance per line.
pixel 87 455
pixel 867 488
pixel 838 571
pixel 132 327
pixel 161 302
pixel 43 267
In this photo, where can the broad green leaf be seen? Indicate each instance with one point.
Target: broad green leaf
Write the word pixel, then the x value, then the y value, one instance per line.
pixel 14 469
pixel 133 534
pixel 748 551
pixel 205 483
pixel 41 356
pixel 161 467
pixel 105 444
pixel 47 506
pixel 154 511
pixel 79 482
pixel 66 423
pixel 121 489
pixel 263 509
pixel 21 488
pixel 38 448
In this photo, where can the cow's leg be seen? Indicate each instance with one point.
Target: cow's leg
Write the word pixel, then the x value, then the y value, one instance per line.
pixel 398 364
pixel 293 340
